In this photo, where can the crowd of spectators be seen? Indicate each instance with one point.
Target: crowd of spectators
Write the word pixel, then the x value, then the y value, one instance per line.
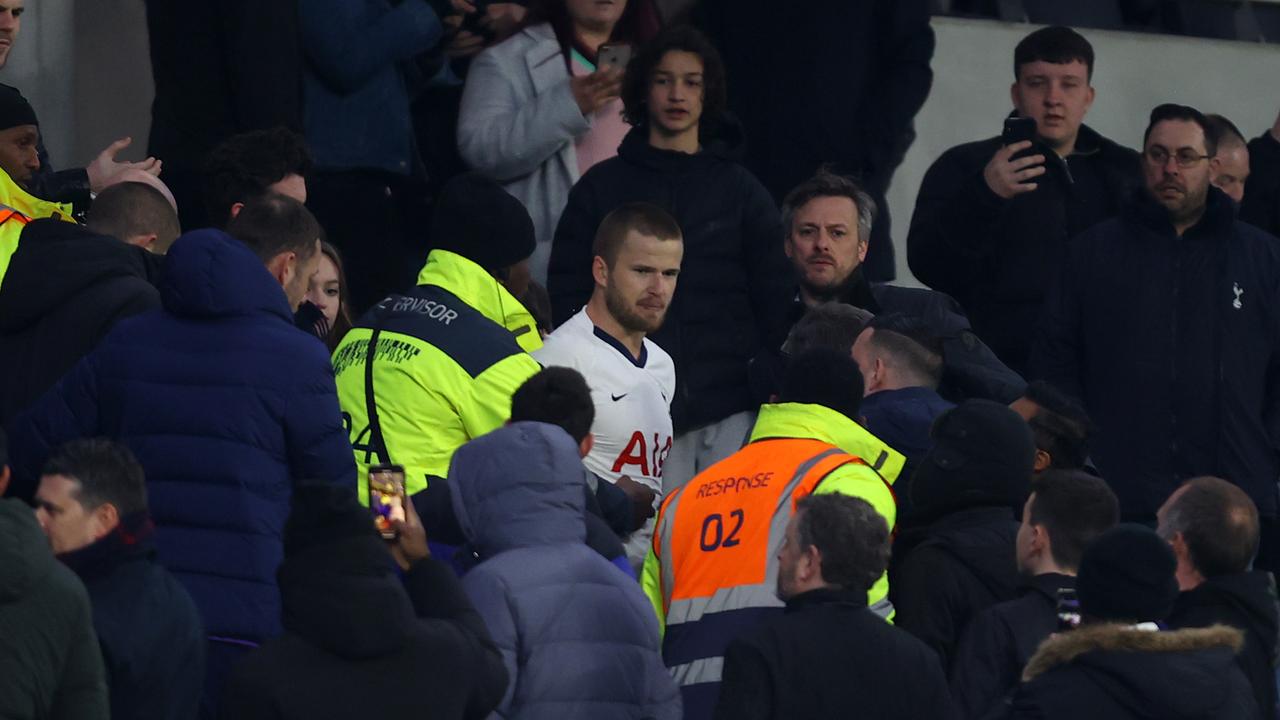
pixel 607 410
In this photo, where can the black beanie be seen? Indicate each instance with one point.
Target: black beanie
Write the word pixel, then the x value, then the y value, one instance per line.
pixel 14 109
pixel 480 221
pixel 983 454
pixel 1127 574
pixel 322 513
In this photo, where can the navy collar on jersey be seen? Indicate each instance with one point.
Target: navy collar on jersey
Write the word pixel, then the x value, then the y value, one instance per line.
pixel 626 353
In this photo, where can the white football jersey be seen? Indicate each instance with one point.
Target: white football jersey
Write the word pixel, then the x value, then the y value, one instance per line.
pixel 632 428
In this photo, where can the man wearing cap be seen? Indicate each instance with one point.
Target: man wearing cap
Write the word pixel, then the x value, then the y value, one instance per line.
pixel 448 353
pixel 1119 664
pixel 958 557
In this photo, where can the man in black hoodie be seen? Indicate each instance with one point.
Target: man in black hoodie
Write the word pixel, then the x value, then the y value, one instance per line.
pixel 992 216
pixel 735 285
pixel 1119 665
pixel 1166 323
pixel 67 285
pixel 1067 510
pixel 357 642
pixel 1213 529
pixel 961 560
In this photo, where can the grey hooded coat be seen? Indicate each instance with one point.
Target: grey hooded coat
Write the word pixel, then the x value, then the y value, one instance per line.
pixel 578 636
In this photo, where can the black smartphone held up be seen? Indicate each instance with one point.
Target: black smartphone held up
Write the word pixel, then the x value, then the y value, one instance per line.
pixel 1068 609
pixel 1018 129
pixel 614 56
pixel 386 497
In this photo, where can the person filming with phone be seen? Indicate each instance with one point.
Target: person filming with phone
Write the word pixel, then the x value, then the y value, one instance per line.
pixel 992 215
pixel 543 107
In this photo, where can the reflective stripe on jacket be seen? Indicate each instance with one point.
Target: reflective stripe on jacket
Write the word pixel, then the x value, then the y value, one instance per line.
pixel 712 571
pixel 450 354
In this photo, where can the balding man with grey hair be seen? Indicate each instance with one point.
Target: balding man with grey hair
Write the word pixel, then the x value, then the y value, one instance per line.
pixel 1230 164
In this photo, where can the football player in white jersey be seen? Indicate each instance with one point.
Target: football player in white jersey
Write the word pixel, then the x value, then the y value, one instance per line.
pixel 638 249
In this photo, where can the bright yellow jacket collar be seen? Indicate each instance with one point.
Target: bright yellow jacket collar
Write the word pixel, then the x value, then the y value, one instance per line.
pixel 815 422
pixel 477 288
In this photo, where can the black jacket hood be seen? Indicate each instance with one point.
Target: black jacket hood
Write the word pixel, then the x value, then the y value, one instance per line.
pixel 55 261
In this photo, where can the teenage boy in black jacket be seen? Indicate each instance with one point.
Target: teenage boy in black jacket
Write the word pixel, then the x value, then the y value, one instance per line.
pixel 1166 323
pixel 735 288
pixel 991 220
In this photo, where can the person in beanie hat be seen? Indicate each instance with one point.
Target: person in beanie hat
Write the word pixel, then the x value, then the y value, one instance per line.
pixel 957 549
pixel 450 352
pixel 1119 663
pixel 357 639
pixel 19 137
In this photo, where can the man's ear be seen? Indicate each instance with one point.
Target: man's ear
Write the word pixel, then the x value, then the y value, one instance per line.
pixel 810 563
pixel 235 210
pixel 1043 460
pixel 108 518
pixel 600 271
pixel 146 242
pixel 283 266
pixel 1215 167
pixel 588 442
pixel 4 479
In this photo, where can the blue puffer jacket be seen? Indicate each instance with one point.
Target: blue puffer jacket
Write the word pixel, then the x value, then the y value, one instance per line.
pixel 225 403
pixel 578 637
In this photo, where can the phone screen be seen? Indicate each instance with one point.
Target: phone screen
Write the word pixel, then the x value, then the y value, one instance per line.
pixel 615 56
pixel 386 497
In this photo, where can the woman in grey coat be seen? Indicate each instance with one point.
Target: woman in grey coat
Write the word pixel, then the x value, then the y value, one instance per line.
pixel 536 113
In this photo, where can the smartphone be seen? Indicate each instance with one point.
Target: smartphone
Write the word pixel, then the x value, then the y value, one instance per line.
pixel 386 497
pixel 1018 129
pixel 614 56
pixel 1068 609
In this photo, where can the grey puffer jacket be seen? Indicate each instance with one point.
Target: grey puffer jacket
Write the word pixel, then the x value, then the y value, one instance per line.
pixel 578 637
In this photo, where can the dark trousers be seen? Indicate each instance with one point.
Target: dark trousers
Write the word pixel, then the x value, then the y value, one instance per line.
pixel 379 224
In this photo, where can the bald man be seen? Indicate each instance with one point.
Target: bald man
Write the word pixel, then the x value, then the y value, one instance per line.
pixel 1230 166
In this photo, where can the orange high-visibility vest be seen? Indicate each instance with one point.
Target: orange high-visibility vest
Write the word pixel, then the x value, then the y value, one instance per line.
pixel 723 529
pixel 11 224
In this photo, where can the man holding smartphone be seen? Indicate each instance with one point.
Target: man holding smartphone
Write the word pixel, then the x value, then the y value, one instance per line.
pixel 993 215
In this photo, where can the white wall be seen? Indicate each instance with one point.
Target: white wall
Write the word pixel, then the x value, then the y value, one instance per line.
pixel 973 69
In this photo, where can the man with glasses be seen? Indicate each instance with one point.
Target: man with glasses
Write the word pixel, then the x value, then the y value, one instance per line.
pixel 1165 321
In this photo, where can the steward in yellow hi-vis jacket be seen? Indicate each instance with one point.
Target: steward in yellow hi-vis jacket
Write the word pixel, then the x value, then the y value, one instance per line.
pixel 450 352
pixel 713 569
pixel 17 208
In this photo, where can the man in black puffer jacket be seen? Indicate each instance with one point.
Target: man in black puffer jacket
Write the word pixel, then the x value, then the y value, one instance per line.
pixel 68 284
pixel 357 643
pixel 990 221
pixel 735 283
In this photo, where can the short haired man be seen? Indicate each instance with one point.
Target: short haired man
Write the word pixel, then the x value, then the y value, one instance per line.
pixel 1192 394
pixel 448 353
pixel 637 260
pixel 991 218
pixel 959 558
pixel 225 403
pixel 827 222
pixel 901 366
pixel 1213 529
pixel 68 285
pixel 1060 426
pixel 734 282
pixel 252 165
pixel 1260 206
pixel 1067 510
pixel 1119 663
pixel 710 573
pixel 50 661
pixel 1230 164
pixel 835 548
pixel 92 505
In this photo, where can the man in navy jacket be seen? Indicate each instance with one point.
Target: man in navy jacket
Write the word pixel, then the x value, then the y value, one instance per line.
pixel 1165 323
pixel 225 403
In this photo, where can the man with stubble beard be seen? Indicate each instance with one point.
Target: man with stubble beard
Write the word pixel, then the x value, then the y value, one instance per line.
pixel 638 250
pixel 1164 322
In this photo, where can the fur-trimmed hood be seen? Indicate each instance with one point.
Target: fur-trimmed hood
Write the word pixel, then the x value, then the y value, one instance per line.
pixel 1062 648
pixel 1115 671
